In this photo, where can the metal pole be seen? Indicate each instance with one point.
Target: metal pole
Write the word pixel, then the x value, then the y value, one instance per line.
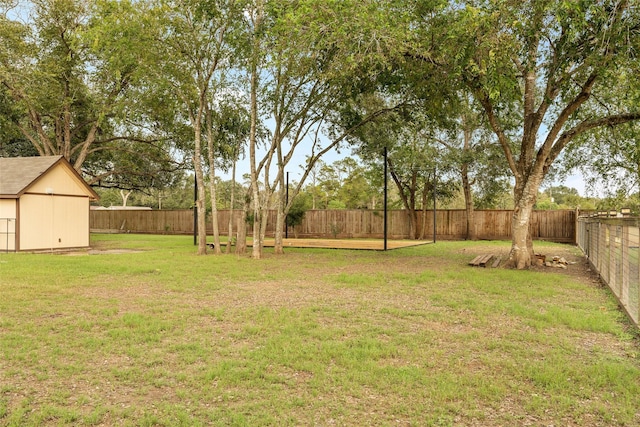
pixel 286 221
pixel 434 204
pixel 195 211
pixel 50 192
pixel 385 198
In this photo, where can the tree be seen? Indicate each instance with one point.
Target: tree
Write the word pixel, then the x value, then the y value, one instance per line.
pixel 67 89
pixel 359 189
pixel 294 92
pixel 468 145
pixel 12 142
pixel 191 50
pixel 413 154
pixel 255 17
pixel 313 187
pixel 329 181
pixel 66 79
pixel 551 62
pixel 296 214
pixel 349 184
pixel 301 69
pixel 232 129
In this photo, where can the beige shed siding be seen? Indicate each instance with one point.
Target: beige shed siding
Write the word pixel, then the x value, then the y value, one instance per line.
pixel 59 180
pixel 53 221
pixel 7 224
pixel 7 208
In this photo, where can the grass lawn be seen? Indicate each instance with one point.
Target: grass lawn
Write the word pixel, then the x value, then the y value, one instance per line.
pixel 414 336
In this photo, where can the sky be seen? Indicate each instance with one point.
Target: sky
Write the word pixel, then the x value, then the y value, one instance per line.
pixel 575 180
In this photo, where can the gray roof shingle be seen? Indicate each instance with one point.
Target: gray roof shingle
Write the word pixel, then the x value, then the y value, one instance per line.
pixel 17 173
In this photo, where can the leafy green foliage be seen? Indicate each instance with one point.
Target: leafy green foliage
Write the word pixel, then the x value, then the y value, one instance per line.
pixel 296 212
pixel 562 197
pixel 67 72
pixel 609 159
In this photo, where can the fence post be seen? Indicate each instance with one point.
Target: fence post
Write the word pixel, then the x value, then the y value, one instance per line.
pixel 617 254
pixel 600 249
pixel 589 237
pixel 576 232
pixel 624 249
pixel 605 252
pixel 635 314
pixel 612 260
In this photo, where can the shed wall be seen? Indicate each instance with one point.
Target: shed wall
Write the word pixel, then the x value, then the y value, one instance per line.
pixel 53 221
pixel 7 208
pixel 7 224
pixel 60 181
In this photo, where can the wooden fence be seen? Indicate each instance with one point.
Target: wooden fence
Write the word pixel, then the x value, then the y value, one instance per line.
pixel 611 245
pixel 556 226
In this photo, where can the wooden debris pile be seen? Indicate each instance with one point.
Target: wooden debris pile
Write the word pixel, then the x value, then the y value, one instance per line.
pixel 557 262
pixel 540 260
pixel 485 260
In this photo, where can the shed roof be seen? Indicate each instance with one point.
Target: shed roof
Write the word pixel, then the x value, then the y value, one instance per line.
pixel 18 173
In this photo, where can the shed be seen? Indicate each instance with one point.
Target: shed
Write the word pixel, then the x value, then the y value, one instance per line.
pixel 44 204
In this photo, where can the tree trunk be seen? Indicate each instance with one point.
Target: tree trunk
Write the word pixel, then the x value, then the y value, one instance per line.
pixel 256 248
pixel 472 233
pixel 214 215
pixel 196 121
pixel 256 251
pixel 67 122
pixel 241 241
pixel 233 192
pixel 281 208
pixel 525 195
pixel 413 224
pixel 125 197
pixel 466 184
pixel 202 212
pixel 408 200
pixel 278 247
pixel 262 226
pixel 413 232
pixel 521 254
pixel 425 194
pixel 212 184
